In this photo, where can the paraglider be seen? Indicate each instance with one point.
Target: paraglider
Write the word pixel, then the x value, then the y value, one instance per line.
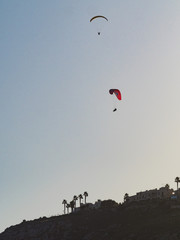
pixel 98 16
pixel 117 93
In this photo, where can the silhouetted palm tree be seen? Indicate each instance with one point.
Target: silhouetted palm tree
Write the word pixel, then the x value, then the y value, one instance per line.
pixel 68 206
pixel 80 198
pixel 126 196
pixel 75 198
pixel 177 180
pixel 64 202
pixel 85 196
pixel 72 205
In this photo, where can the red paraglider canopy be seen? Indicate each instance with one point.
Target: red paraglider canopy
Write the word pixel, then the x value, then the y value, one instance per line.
pixel 116 92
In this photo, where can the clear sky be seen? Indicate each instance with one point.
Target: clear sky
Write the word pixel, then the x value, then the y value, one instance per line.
pixel 58 134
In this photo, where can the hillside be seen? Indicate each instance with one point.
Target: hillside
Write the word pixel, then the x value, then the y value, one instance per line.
pixel 150 220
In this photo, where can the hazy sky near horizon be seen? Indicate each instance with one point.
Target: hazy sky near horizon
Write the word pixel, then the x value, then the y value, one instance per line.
pixel 58 134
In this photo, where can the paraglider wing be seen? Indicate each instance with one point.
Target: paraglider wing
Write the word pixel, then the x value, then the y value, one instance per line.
pixel 99 16
pixel 116 92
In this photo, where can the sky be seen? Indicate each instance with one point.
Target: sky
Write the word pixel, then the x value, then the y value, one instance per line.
pixel 59 135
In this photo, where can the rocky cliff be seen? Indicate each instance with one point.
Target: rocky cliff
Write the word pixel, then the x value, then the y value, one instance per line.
pixel 145 220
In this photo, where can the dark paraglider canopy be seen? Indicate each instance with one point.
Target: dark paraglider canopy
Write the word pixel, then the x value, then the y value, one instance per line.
pixel 98 16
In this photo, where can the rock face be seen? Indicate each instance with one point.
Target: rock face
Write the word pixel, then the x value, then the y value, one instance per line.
pixel 145 220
